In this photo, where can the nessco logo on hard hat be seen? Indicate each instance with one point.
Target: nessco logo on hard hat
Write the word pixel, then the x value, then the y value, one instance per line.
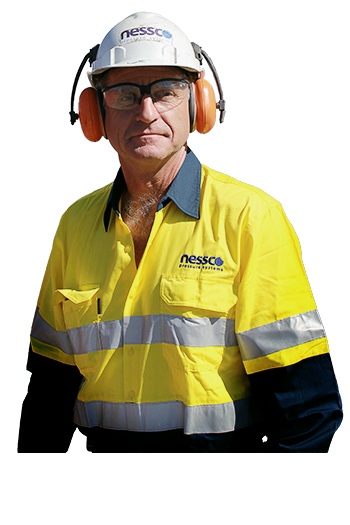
pixel 144 33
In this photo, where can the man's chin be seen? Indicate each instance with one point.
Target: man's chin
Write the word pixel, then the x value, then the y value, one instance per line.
pixel 149 149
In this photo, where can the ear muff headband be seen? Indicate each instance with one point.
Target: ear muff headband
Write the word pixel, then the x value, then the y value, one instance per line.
pixel 91 57
pixel 200 54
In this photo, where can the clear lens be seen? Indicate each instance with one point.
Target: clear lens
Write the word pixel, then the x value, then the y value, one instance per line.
pixel 122 97
pixel 166 94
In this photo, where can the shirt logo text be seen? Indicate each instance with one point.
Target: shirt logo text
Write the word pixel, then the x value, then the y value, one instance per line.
pixel 201 261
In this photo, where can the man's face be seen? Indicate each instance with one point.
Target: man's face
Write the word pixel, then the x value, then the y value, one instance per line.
pixel 143 134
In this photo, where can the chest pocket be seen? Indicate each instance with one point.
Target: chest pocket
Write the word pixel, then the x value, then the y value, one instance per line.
pixel 209 293
pixel 198 322
pixel 79 307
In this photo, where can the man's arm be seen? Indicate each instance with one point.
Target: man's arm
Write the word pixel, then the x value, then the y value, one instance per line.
pixel 47 412
pixel 301 405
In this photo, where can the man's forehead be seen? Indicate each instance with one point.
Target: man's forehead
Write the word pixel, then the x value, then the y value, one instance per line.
pixel 144 74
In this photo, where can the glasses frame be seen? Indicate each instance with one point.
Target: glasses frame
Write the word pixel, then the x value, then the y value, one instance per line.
pixel 145 89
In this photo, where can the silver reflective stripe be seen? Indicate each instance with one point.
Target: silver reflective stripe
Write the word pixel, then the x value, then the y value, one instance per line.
pixel 137 330
pixel 182 331
pixel 280 335
pixel 43 332
pixel 155 417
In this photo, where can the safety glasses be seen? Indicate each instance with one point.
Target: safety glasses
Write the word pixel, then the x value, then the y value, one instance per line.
pixel 166 94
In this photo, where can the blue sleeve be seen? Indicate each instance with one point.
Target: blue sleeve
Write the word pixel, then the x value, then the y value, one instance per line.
pixel 301 405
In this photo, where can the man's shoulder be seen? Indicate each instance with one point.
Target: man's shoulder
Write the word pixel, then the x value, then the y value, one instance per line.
pixel 90 202
pixel 229 187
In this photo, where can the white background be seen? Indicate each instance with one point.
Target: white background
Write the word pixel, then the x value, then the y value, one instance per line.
pixel 284 67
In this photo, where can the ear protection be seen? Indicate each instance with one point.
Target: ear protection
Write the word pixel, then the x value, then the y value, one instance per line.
pixel 90 116
pixel 202 103
pixel 202 106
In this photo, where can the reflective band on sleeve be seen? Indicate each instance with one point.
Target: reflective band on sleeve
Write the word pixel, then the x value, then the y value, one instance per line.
pixel 181 331
pixel 45 333
pixel 154 417
pixel 280 335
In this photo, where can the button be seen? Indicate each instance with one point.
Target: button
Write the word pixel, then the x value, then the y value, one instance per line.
pixel 131 394
pixel 127 248
pixel 131 351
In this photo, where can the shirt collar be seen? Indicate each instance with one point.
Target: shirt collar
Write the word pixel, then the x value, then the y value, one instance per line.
pixel 184 191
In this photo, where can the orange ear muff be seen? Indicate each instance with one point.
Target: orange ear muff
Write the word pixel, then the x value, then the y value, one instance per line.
pixel 90 115
pixel 205 106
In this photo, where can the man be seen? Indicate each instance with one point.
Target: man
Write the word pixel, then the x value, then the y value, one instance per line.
pixel 175 314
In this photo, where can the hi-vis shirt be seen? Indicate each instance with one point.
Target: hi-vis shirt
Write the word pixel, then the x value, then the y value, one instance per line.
pixel 220 293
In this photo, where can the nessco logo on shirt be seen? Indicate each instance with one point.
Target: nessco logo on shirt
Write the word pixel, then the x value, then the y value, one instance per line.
pixel 201 261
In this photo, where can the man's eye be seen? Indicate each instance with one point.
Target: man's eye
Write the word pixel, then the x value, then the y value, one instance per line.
pixel 120 98
pixel 126 97
pixel 162 94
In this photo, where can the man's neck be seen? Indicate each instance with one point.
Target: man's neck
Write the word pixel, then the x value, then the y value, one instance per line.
pixel 152 178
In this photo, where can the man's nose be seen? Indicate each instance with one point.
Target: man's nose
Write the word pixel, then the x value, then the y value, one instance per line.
pixel 146 110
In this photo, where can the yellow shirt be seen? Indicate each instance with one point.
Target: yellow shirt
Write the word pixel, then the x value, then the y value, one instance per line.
pixel 220 293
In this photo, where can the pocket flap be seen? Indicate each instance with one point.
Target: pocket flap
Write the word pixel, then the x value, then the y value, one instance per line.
pixel 207 293
pixel 75 296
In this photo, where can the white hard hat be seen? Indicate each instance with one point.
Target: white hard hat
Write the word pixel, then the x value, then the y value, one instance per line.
pixel 145 39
